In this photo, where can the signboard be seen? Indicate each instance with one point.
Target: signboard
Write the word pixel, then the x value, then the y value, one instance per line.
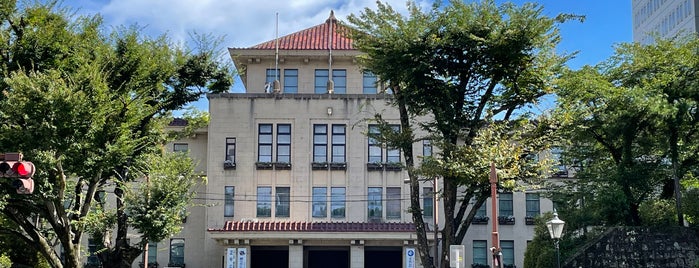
pixel 231 256
pixel 409 257
pixel 242 258
pixel 456 256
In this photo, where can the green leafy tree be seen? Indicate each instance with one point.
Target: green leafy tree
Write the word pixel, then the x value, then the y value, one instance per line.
pixel 541 252
pixel 462 74
pixel 630 124
pixel 88 108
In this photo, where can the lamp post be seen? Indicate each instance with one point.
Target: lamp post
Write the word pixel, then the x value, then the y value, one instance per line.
pixel 555 227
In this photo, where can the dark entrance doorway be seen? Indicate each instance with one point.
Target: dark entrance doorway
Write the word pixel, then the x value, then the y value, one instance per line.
pixel 323 257
pixel 265 257
pixel 383 257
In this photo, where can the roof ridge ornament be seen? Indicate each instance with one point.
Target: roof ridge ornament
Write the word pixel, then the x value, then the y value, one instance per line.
pixel 332 17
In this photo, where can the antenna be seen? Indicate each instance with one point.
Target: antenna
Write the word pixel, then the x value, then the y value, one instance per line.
pixel 275 85
pixel 331 83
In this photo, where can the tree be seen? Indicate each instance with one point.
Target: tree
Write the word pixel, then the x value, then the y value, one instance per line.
pixel 87 109
pixel 630 123
pixel 467 70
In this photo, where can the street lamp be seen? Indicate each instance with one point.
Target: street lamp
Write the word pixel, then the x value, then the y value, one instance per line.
pixel 555 227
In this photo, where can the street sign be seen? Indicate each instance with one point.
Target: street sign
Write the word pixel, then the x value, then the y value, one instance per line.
pixel 410 258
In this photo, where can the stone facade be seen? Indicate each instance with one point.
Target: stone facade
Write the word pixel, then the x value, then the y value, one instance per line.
pixel 641 247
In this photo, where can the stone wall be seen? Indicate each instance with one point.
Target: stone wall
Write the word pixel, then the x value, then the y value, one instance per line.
pixel 640 247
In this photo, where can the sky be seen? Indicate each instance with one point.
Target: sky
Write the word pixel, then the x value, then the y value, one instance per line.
pixel 244 23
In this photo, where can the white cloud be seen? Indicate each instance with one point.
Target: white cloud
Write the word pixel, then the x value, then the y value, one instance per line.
pixel 243 22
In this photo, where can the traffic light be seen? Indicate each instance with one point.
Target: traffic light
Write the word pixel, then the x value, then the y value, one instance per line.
pixel 12 166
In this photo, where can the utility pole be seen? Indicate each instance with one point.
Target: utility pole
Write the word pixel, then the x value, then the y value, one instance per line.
pixel 497 252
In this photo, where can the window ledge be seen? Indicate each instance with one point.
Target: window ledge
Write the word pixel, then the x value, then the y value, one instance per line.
pixel 319 165
pixel 529 220
pixel 264 165
pixel 228 164
pixel 393 166
pixel 338 166
pixel 480 220
pixel 506 220
pixel 374 166
pixel 282 166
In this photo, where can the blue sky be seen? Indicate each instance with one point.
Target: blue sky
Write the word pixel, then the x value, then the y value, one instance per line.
pixel 243 23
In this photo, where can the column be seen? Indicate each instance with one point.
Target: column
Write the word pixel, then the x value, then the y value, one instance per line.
pixel 295 253
pixel 357 254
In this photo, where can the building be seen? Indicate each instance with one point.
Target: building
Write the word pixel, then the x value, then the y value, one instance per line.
pixel 293 179
pixel 666 18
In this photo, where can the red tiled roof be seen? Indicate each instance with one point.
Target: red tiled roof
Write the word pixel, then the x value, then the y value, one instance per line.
pixel 314 38
pixel 277 226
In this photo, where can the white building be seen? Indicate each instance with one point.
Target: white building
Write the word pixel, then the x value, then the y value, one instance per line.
pixel 293 180
pixel 666 18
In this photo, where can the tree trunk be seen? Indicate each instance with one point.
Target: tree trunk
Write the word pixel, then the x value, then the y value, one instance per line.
pixel 674 159
pixel 423 246
pixel 122 255
pixel 449 195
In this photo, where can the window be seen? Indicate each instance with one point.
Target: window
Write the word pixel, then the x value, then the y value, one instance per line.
pixel 338 143
pixel 375 152
pixel 559 168
pixel 481 212
pixel 264 143
pixel 176 252
pixel 426 148
pixel 291 81
pixel 375 149
pixel 180 147
pixel 393 202
pixel 339 81
pixel 321 81
pixel 320 198
pixel 320 143
pixel 337 202
pixel 505 204
pixel 283 143
pixel 374 203
pixel 428 202
pixel 508 252
pixel 228 207
pixel 270 76
pixel 480 252
pixel 152 252
pixel 393 154
pixel 532 205
pixel 92 247
pixel 230 151
pixel 264 201
pixel 369 84
pixel 282 202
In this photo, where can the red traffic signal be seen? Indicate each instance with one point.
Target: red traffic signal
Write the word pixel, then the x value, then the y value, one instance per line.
pixel 16 169
pixel 12 166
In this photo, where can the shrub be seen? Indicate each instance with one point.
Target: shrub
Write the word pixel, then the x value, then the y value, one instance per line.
pixel 658 212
